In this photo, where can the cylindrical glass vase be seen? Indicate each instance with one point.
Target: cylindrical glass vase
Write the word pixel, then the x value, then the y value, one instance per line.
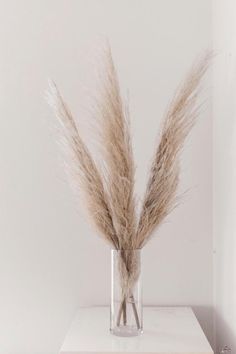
pixel 126 293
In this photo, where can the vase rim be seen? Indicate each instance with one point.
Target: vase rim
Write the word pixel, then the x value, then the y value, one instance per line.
pixel 126 249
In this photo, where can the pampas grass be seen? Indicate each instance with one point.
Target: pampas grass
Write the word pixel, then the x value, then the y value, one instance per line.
pixel 109 192
pixel 83 171
pixel 115 138
pixel 161 192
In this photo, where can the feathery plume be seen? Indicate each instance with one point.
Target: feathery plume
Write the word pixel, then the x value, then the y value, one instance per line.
pixel 160 196
pixel 83 170
pixel 119 161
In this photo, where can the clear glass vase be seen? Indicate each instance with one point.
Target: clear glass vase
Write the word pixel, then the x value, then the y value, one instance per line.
pixel 126 295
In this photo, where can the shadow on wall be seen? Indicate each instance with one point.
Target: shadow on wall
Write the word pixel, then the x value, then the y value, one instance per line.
pixel 204 315
pixel 224 111
pixel 226 333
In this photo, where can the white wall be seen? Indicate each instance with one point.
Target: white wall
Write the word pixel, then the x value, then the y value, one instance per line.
pixel 224 112
pixel 50 260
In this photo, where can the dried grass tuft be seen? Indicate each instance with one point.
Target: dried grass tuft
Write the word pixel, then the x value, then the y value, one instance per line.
pixel 85 175
pixel 160 197
pixel 118 156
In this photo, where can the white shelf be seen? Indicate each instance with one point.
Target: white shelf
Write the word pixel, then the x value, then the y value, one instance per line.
pixel 167 330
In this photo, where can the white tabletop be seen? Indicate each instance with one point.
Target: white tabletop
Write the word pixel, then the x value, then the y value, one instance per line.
pixel 173 330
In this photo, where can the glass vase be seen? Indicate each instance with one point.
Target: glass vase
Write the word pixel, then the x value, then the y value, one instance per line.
pixel 126 295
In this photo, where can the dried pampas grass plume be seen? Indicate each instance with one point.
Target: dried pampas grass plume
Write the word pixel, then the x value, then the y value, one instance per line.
pixel 118 155
pixel 82 169
pixel 160 196
pixel 109 194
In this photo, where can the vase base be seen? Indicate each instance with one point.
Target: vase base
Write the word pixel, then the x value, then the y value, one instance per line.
pixel 126 331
